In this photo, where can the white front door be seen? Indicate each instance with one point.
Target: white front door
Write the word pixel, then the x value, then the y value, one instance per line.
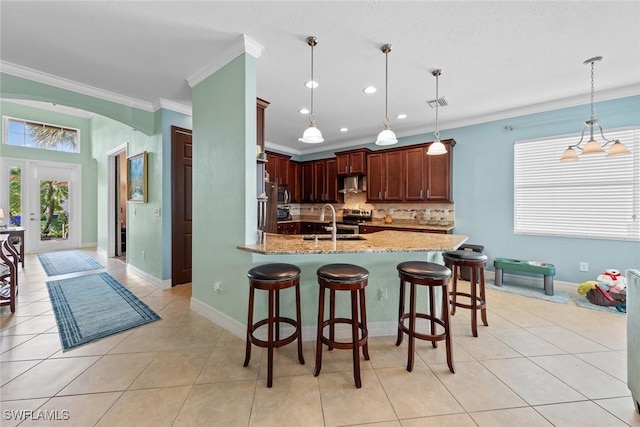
pixel 53 213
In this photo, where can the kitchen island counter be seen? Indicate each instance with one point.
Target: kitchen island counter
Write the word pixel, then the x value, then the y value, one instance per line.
pixel 381 242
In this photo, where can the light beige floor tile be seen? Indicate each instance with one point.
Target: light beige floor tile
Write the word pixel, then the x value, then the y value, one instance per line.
pixel 385 354
pixel 531 382
pixel 110 373
pixel 80 411
pixel 477 389
pixel 344 404
pixel 510 417
pixel 584 414
pixel 34 308
pixel 18 411
pixel 46 378
pixel 35 325
pixel 152 407
pixel 583 377
pixel 173 368
pixel 525 343
pixel 418 393
pixel 338 360
pixel 285 361
pixel 523 317
pixel 485 346
pixel 225 364
pixel 457 420
pixel 221 404
pixel 623 408
pixel 381 424
pixel 95 348
pixel 436 356
pixel 567 340
pixel 10 370
pixel 291 401
pixel 146 340
pixel 613 363
pixel 39 347
pixel 203 337
pixel 10 341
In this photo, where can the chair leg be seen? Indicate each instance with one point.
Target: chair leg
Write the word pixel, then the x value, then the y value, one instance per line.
pixel 412 325
pixel 446 318
pixel 247 356
pixel 354 338
pixel 332 315
pixel 432 310
pixel 299 325
pixel 400 313
pixel 318 367
pixel 270 325
pixel 365 329
pixel 474 302
pixel 277 321
pixel 454 285
pixel 483 297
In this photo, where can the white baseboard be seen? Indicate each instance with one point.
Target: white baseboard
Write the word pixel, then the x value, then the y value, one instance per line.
pixel 158 283
pixel 89 245
pixel 219 318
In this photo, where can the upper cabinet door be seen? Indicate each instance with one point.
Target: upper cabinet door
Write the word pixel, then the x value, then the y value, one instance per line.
pixel 375 181
pixel 415 188
pixel 394 176
pixel 439 177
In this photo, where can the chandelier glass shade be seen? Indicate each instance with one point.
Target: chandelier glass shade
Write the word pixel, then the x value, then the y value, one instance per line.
pixel 593 147
pixel 312 134
pixel 386 136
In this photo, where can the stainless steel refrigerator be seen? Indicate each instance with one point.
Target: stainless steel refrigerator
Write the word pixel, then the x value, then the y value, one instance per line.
pixel 268 215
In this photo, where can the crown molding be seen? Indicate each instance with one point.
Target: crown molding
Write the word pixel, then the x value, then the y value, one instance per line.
pixel 173 106
pixel 62 109
pixel 240 45
pixel 62 83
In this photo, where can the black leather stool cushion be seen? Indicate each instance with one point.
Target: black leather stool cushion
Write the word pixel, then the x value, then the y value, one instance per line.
pixel 423 269
pixel 274 272
pixel 465 256
pixel 342 273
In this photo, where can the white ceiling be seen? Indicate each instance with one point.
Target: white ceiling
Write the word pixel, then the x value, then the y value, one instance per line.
pixel 499 59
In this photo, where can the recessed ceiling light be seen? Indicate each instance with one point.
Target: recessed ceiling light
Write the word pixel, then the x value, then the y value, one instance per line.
pixel 344 129
pixel 303 111
pixel 311 84
pixel 369 89
pixel 401 116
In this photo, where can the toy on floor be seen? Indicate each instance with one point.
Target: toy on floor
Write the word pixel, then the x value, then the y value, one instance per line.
pixel 608 290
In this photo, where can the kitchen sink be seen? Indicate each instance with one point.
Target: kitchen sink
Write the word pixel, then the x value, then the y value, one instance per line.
pixel 338 237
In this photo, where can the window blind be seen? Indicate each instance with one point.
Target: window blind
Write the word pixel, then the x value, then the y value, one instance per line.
pixel 596 197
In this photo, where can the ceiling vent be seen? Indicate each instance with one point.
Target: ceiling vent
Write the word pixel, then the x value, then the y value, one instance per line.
pixel 442 102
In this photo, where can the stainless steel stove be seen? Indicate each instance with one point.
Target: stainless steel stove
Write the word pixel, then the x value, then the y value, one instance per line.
pixel 351 220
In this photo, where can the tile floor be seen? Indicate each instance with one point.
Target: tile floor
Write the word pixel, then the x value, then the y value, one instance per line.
pixel 538 363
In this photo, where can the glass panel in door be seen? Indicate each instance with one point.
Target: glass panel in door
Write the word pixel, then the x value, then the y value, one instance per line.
pixel 54 211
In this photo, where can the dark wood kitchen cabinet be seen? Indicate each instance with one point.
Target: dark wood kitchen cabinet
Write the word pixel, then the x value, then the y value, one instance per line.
pixel 319 181
pixel 278 168
pixel 289 228
pixel 295 182
pixel 352 162
pixel 427 178
pixel 384 176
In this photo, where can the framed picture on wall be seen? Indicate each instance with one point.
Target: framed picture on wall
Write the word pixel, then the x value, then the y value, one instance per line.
pixel 137 178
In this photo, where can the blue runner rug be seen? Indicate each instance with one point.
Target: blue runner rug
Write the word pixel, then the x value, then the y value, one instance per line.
pixel 91 307
pixel 63 262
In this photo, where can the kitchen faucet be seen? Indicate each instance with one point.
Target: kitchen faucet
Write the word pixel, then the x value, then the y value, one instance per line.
pixel 333 222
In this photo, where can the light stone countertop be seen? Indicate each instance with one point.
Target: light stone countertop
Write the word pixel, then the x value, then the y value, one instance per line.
pixel 381 242
pixel 399 223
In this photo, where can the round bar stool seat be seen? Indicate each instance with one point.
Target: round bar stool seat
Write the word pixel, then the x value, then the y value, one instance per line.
pixel 433 277
pixel 343 277
pixel 273 278
pixel 475 262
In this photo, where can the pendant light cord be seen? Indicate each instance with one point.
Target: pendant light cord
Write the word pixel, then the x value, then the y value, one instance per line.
pixel 437 132
pixel 386 87
pixel 593 107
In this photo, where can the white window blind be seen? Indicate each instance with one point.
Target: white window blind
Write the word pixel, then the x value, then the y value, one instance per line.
pixel 596 197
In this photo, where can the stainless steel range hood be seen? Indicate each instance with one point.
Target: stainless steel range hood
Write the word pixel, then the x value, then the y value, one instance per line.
pixel 353 184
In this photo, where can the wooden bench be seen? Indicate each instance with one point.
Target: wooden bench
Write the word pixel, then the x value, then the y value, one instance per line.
pixel 519 266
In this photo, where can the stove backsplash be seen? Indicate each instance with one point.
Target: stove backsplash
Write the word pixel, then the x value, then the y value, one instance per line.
pixel 399 211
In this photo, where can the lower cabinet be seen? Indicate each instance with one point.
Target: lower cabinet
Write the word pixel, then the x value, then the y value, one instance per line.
pixel 303 228
pixel 289 228
pixel 367 229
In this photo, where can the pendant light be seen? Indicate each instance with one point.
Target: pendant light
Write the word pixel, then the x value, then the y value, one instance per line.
pixel 436 148
pixel 572 153
pixel 386 137
pixel 312 134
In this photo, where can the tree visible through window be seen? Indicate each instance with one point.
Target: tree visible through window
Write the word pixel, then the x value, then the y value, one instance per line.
pixel 32 134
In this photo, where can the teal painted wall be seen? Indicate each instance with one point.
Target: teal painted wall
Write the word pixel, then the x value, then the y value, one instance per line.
pixel 84 158
pixel 224 184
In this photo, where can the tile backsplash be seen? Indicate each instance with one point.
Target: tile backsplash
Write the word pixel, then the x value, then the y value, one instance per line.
pixel 398 211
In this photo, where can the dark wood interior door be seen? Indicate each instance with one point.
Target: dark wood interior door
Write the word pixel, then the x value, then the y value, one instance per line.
pixel 181 198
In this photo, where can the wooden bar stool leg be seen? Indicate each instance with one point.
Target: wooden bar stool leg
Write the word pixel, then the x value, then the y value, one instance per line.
pixel 412 325
pixel 400 313
pixel 332 315
pixel 270 325
pixel 365 330
pixel 446 317
pixel 483 308
pixel 432 310
pixel 454 270
pixel 277 318
pixel 474 302
pixel 299 324
pixel 318 367
pixel 354 338
pixel 247 356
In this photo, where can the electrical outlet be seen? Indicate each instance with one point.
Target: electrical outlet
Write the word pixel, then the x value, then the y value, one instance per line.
pixel 217 287
pixel 584 266
pixel 142 254
pixel 383 294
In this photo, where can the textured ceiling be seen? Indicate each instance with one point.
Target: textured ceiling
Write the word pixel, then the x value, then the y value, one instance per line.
pixel 499 59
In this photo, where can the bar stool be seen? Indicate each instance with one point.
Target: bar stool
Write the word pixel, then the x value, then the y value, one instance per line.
pixel 273 278
pixel 475 262
pixel 434 277
pixel 343 277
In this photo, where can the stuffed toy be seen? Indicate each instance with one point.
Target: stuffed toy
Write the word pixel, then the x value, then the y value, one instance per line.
pixel 613 279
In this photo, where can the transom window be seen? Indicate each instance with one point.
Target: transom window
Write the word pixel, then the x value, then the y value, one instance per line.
pixel 27 133
pixel 596 197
